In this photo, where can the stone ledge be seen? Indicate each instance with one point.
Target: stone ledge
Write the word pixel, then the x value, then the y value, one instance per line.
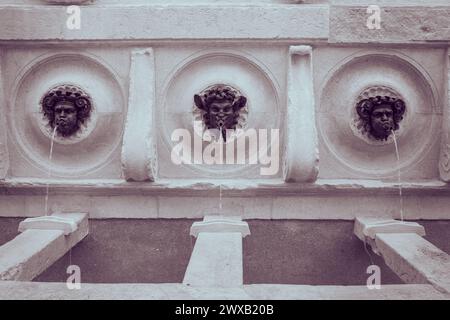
pixel 230 188
pixel 40 244
pixel 10 290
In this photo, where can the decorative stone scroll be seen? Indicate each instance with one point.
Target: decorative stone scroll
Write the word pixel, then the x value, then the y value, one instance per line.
pixel 301 155
pixel 444 161
pixel 4 156
pixel 139 159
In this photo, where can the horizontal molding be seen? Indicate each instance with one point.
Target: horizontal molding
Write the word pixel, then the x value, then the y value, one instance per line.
pixel 230 188
pixel 324 200
pixel 338 24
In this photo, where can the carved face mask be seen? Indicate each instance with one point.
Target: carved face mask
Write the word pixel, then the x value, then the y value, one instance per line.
pixel 220 114
pixel 66 108
pixel 381 115
pixel 382 121
pixel 66 118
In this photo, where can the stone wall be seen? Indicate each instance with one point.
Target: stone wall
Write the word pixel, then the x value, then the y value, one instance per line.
pixel 303 67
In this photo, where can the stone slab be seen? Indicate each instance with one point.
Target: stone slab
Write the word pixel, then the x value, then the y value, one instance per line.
pixel 415 260
pixel 134 22
pixel 217 259
pixel 34 250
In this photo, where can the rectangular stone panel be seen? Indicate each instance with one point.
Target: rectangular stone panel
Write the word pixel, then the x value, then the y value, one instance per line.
pixel 348 24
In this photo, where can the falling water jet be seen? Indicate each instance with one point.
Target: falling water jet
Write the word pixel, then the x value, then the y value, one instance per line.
pixel 398 175
pixel 221 138
pixel 49 172
pixel 220 198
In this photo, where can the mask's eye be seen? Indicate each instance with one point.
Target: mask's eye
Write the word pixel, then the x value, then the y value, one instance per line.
pixel 226 109
pixel 215 109
pixel 377 114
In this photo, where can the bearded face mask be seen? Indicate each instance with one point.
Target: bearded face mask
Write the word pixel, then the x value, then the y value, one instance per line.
pixel 221 107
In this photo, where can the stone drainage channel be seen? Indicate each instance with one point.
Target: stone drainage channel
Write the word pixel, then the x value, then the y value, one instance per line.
pixel 215 269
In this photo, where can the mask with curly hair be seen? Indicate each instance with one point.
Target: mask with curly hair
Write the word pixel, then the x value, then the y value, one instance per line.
pixel 381 115
pixel 66 109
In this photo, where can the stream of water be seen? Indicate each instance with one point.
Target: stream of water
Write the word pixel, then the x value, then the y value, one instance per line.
pixel 399 177
pixel 220 199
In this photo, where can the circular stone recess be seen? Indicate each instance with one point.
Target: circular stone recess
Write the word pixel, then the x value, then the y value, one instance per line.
pixel 377 74
pixel 203 70
pixel 92 148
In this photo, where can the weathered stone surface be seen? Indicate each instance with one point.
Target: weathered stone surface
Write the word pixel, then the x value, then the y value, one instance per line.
pixel 34 250
pixel 412 24
pixel 4 155
pixel 444 159
pixel 167 22
pixel 415 260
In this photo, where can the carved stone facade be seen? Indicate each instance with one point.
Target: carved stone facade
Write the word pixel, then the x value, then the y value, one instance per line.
pixel 90 120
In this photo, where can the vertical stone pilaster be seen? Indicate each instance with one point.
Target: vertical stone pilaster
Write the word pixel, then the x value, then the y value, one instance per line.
pixel 301 156
pixel 4 155
pixel 444 159
pixel 139 159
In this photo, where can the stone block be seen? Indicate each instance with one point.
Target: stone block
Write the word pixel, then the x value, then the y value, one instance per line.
pixel 415 260
pixel 220 224
pixel 41 243
pixel 216 260
pixel 370 227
